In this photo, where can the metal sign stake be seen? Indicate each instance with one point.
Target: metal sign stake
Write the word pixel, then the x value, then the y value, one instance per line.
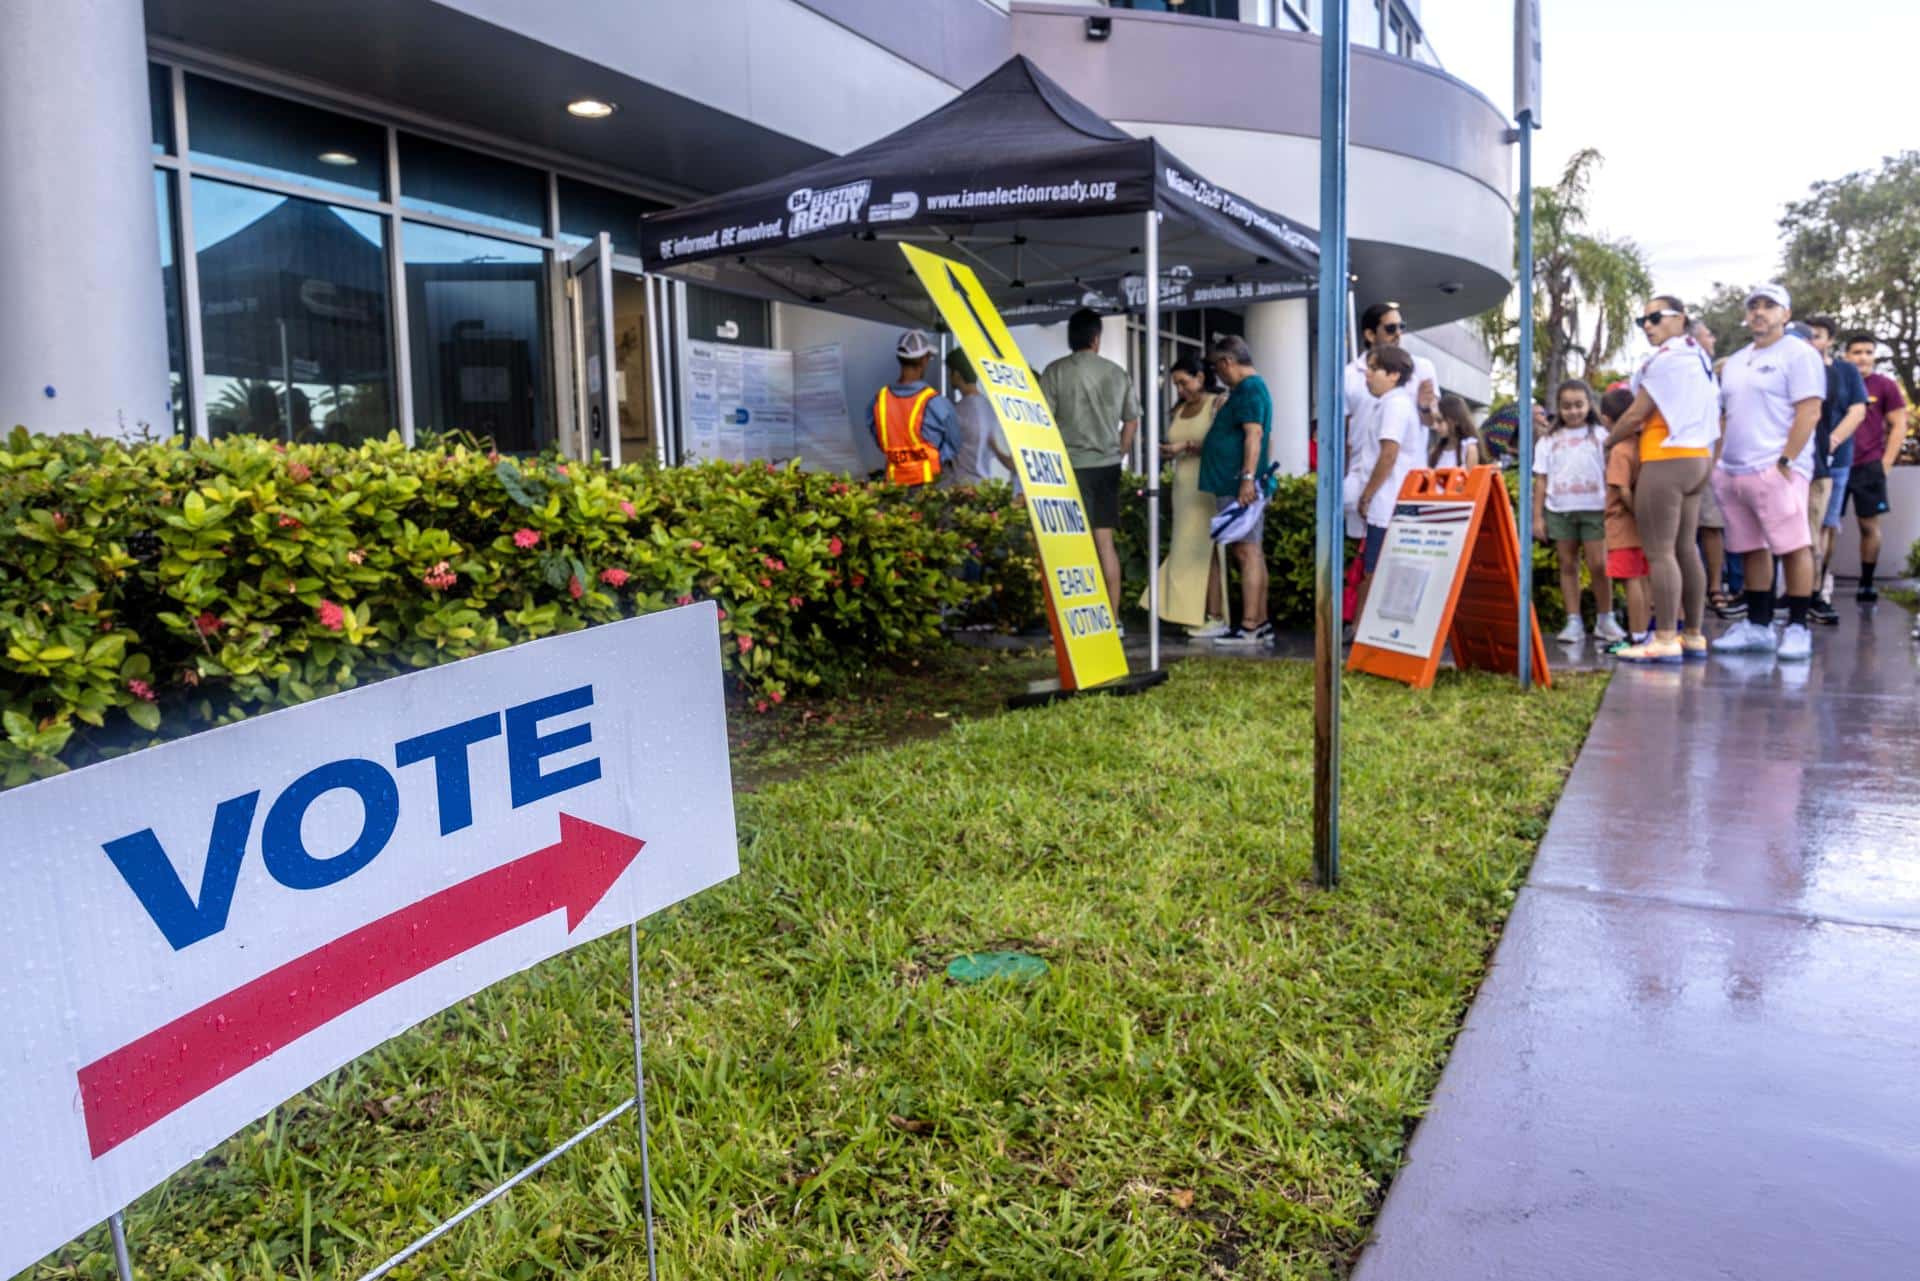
pixel 640 1095
pixel 117 1226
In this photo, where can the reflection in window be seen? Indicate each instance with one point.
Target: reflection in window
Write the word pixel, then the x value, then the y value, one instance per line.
pixel 163 199
pixel 476 316
pixel 241 129
pixel 293 316
pixel 467 185
pixel 587 210
pixel 160 107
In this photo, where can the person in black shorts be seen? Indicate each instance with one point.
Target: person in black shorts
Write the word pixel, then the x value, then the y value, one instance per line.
pixel 1097 410
pixel 1875 446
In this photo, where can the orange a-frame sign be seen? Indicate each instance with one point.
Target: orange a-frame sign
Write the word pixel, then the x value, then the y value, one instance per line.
pixel 1448 574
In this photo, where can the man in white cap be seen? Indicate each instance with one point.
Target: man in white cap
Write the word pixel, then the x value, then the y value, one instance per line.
pixel 914 424
pixel 1770 396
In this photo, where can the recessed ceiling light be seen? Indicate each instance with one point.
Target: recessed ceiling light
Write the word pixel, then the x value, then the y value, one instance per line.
pixel 337 158
pixel 591 108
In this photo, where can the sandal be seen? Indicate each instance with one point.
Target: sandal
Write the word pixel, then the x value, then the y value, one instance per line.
pixel 1652 651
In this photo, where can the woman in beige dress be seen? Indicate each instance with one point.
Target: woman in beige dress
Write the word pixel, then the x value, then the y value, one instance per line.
pixel 1183 575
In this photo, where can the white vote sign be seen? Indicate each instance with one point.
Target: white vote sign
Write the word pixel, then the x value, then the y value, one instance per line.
pixel 198 931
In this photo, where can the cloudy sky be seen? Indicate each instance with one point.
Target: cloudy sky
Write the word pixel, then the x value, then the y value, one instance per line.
pixel 1711 114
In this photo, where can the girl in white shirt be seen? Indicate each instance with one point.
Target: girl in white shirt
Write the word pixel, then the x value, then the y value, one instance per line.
pixel 1455 441
pixel 1569 507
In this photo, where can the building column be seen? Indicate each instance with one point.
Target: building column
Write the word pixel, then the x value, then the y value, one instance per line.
pixel 1279 335
pixel 83 344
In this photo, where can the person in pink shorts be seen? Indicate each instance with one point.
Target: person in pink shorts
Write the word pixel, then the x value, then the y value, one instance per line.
pixel 1770 394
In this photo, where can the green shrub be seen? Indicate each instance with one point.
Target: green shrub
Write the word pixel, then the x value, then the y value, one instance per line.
pixel 158 588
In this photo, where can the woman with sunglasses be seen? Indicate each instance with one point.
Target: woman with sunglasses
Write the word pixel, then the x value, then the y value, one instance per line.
pixel 1676 414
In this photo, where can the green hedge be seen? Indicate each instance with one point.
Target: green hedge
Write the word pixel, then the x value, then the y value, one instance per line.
pixel 157 589
pixel 151 590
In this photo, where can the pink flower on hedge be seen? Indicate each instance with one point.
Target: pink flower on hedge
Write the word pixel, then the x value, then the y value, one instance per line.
pixel 695 545
pixel 60 521
pixel 356 557
pixel 574 589
pixel 777 696
pixel 614 577
pixel 760 706
pixel 141 690
pixel 332 617
pixel 298 471
pixel 835 546
pixel 207 624
pixel 493 455
pixel 773 563
pixel 723 615
pixel 744 642
pixel 859 580
pixel 561 468
pixel 525 538
pixel 288 522
pixel 683 600
pixel 795 602
pixel 766 582
pixel 627 509
pixel 440 577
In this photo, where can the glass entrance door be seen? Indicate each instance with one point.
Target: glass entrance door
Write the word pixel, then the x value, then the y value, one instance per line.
pixel 618 414
pixel 590 282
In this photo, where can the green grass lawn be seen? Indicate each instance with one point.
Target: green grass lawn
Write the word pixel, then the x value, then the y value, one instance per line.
pixel 1216 1079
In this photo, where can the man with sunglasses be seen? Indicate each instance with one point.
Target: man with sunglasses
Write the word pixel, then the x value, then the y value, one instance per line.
pixel 1381 325
pixel 1770 396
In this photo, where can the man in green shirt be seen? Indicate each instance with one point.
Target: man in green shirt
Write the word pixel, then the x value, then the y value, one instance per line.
pixel 1097 411
pixel 1232 456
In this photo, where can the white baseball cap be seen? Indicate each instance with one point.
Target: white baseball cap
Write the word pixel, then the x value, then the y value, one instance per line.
pixel 1773 293
pixel 913 345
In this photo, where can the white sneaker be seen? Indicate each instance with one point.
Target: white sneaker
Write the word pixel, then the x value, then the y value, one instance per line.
pixel 1574 632
pixel 1608 629
pixel 1744 637
pixel 1796 644
pixel 1214 627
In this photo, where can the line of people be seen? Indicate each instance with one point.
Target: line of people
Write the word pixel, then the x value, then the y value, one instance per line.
pixel 1755 455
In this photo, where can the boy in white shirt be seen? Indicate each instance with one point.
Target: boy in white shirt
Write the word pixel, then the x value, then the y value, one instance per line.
pixel 1401 441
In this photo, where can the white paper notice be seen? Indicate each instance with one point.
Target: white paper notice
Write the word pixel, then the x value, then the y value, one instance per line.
pixel 1418 565
pixel 739 403
pixel 825 436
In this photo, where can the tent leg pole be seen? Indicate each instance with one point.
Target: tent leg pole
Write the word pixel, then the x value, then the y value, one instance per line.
pixel 1153 440
pixel 1329 549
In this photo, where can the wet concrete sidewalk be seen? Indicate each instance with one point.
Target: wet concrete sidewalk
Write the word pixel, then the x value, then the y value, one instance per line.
pixel 1697 1054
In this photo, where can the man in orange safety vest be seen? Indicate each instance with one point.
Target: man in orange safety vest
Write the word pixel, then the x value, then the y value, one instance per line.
pixel 915 425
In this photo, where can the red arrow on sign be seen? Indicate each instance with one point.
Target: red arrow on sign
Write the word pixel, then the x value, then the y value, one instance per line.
pixel 128 1090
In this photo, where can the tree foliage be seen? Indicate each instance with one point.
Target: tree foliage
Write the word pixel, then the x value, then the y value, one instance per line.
pixel 1852 250
pixel 1588 286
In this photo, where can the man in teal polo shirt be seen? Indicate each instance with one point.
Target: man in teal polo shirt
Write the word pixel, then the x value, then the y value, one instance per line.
pixel 1232 456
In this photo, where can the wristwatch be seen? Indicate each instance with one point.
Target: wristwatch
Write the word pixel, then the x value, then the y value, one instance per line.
pixel 1785 461
pixel 1246 475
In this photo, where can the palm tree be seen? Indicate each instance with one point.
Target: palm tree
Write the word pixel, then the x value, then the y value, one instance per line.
pixel 1587 286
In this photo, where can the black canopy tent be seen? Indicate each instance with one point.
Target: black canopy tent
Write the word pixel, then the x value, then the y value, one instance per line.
pixel 1054 207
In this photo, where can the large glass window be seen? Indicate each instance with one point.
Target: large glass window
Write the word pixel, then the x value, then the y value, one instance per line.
pixel 587 210
pixel 163 199
pixel 467 185
pixel 253 132
pixel 477 336
pixel 293 315
pixel 713 316
pixel 160 108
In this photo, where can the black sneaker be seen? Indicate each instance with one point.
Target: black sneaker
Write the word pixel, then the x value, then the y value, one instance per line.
pixel 1821 610
pixel 1240 637
pixel 1866 595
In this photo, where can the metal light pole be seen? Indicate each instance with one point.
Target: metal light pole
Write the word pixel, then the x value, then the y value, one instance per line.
pixel 1526 112
pixel 1523 402
pixel 1329 549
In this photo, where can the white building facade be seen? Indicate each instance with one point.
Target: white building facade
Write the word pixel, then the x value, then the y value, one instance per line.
pixel 332 221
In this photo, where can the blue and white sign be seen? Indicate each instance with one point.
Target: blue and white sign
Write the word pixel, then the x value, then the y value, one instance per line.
pixel 205 928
